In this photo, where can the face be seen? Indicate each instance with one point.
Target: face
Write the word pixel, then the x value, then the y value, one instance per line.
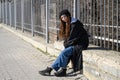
pixel 64 18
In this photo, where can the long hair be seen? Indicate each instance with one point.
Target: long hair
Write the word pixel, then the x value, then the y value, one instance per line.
pixel 64 31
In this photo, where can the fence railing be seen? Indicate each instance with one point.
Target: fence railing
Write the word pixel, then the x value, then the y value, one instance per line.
pixel 101 18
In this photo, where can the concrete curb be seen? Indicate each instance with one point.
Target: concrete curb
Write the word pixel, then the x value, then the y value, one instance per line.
pixel 100 64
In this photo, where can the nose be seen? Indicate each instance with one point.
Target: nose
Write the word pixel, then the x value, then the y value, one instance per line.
pixel 63 18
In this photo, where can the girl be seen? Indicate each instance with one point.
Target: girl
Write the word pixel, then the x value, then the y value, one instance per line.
pixel 75 40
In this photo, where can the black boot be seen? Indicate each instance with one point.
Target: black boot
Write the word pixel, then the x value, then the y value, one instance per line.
pixel 61 73
pixel 46 72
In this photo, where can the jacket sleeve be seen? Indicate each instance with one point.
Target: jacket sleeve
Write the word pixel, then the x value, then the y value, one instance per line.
pixel 70 42
pixel 77 35
pixel 74 32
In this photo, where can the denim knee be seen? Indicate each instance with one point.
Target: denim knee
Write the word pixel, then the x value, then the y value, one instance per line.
pixel 67 51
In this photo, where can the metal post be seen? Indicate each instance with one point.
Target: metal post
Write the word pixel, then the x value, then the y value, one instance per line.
pixel 97 28
pixel 75 9
pixel 47 20
pixel 0 12
pixel 112 24
pixel 82 16
pixel 22 15
pixel 32 26
pixel 108 24
pixel 101 22
pixel 93 17
pixel 15 13
pixel 6 10
pixel 10 14
pixel 87 14
pixel 84 13
pixel 117 26
pixel 104 24
pixel 78 9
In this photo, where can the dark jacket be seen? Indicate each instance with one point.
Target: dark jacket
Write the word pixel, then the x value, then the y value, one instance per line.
pixel 79 39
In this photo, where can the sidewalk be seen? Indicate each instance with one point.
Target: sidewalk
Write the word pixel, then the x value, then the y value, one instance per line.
pixel 19 60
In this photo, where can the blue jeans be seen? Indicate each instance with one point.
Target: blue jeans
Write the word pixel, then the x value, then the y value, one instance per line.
pixel 62 59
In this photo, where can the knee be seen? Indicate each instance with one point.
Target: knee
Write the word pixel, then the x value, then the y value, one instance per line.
pixel 67 52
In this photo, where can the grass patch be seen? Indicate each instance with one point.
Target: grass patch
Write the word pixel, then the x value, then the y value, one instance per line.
pixel 43 51
pixel 40 50
pixel 46 53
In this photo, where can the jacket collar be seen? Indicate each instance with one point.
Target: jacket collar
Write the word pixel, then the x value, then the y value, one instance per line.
pixel 73 20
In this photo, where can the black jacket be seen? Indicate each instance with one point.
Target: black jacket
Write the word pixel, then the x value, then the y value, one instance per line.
pixel 79 39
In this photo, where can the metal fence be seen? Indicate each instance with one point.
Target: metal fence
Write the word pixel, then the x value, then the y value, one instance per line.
pixel 101 18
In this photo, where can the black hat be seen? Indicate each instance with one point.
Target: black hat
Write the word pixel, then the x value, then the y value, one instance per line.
pixel 65 12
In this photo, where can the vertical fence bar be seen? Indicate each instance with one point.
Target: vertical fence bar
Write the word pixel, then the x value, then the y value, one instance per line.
pixel 10 19
pixel 47 20
pixel 32 26
pixel 108 24
pixel 75 8
pixel 91 36
pixel 0 12
pixel 78 9
pixel 97 6
pixel 84 14
pixel 104 23
pixel 22 15
pixel 100 22
pixel 4 13
pixel 112 24
pixel 81 10
pixel 15 14
pixel 87 13
pixel 6 10
pixel 117 26
pixel 93 17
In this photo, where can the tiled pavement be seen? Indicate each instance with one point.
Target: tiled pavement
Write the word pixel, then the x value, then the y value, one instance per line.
pixel 19 60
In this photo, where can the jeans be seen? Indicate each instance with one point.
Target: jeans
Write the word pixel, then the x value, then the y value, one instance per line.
pixel 62 59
